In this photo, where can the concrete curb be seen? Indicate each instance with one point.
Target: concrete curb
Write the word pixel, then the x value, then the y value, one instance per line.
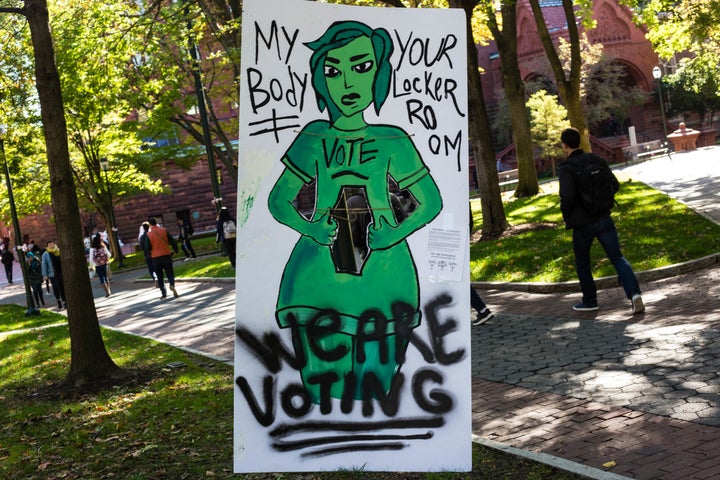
pixel 603 282
pixel 555 462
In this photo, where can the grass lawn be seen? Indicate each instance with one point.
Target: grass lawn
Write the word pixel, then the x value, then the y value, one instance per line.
pixel 174 422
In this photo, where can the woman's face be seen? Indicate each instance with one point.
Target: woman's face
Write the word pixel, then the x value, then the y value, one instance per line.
pixel 349 74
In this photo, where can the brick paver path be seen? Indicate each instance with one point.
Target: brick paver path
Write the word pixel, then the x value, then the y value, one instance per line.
pixel 642 391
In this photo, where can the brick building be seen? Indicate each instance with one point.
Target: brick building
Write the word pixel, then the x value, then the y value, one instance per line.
pixel 190 198
pixel 622 40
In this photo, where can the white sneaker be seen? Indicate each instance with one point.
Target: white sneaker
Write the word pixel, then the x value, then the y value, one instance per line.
pixel 637 303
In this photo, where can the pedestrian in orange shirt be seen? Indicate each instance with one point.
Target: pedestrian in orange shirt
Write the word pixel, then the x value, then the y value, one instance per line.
pixel 161 245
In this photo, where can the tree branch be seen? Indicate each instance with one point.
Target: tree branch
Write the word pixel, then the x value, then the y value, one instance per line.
pixel 19 11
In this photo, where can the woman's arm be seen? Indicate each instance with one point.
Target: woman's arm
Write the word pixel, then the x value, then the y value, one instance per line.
pixel 383 235
pixel 280 202
pixel 45 265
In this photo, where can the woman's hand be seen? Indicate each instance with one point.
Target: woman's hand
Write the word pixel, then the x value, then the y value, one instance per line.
pixel 382 235
pixel 323 230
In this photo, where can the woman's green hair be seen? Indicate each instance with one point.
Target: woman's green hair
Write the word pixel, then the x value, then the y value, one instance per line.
pixel 338 35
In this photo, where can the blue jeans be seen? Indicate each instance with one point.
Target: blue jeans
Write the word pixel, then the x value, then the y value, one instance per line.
pixel 101 274
pixel 604 230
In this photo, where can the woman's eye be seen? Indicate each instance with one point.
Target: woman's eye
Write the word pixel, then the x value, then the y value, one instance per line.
pixel 331 71
pixel 363 67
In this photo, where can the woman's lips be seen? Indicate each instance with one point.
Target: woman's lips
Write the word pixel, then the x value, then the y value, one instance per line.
pixel 350 98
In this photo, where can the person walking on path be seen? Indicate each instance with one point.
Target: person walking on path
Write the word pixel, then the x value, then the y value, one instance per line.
pixel 225 233
pixel 35 277
pixel 185 232
pixel 585 203
pixel 52 270
pixel 99 258
pixel 7 257
pixel 158 243
pixel 144 229
pixel 483 312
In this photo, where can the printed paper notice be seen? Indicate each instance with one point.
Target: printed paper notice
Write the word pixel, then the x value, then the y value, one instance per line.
pixel 447 254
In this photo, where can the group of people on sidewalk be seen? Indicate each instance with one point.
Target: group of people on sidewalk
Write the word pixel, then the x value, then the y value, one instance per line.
pixel 43 266
pixel 157 244
pixel 585 206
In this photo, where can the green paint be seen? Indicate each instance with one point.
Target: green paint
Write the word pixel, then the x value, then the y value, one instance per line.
pixel 327 304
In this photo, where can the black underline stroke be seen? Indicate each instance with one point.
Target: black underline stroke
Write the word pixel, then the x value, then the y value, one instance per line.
pixel 312 442
pixel 284 430
pixel 355 448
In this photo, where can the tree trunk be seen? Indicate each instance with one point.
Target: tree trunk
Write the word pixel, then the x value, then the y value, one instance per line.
pixel 90 361
pixel 568 85
pixel 515 92
pixel 494 220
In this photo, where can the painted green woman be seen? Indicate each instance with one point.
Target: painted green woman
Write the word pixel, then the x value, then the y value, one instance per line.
pixel 351 307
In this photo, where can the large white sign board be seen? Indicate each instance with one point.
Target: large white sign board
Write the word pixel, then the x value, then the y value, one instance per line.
pixel 352 327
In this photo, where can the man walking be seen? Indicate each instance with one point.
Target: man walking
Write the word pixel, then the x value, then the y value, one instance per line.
pixel 585 202
pixel 158 244
pixel 185 231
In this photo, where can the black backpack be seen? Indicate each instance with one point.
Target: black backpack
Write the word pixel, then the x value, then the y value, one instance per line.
pixel 57 266
pixel 596 185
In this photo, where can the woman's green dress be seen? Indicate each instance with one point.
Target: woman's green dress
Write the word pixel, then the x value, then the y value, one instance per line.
pixel 325 305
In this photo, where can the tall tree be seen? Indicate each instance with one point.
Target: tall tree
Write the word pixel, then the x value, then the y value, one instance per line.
pixel 163 80
pixel 691 27
pixel 93 51
pixel 680 25
pixel 505 35
pixel 18 110
pixel 94 45
pixel 89 361
pixel 568 81
pixel 493 214
pixel 695 87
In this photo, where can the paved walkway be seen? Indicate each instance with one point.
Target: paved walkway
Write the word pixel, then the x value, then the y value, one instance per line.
pixel 639 394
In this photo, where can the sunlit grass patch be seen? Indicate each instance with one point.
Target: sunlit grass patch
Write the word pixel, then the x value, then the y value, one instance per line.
pixel 12 317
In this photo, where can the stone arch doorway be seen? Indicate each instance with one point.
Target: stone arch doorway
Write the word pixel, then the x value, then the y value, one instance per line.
pixel 616 96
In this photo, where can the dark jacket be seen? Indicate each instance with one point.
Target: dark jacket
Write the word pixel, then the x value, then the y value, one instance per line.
pixel 573 213
pixel 185 231
pixel 7 257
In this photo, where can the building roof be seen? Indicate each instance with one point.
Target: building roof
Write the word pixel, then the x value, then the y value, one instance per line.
pixel 554 15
